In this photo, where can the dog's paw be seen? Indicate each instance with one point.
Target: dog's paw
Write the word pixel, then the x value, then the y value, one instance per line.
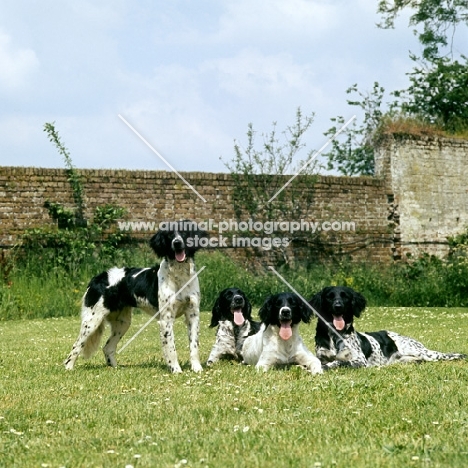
pixel 197 367
pixel 110 360
pixel 176 369
pixel 68 365
pixel 344 355
pixel 325 355
pixel 315 367
pixel 262 368
pixel 331 365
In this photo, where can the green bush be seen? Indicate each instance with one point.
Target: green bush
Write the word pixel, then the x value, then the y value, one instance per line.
pixel 67 245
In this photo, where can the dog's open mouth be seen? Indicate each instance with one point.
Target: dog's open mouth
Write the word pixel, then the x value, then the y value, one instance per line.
pixel 338 322
pixel 180 255
pixel 285 329
pixel 238 316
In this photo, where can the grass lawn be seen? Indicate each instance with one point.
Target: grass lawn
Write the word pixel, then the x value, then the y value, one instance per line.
pixel 230 416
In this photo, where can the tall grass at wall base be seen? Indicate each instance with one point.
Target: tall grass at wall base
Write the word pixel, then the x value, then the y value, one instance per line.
pixel 37 289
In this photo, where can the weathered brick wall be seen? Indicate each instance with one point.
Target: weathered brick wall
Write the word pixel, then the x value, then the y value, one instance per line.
pixel 419 198
pixel 427 177
pixel 159 195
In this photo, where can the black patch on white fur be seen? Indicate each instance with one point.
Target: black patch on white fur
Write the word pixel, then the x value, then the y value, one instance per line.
pixel 365 345
pixel 136 282
pixel 387 345
pixel 96 288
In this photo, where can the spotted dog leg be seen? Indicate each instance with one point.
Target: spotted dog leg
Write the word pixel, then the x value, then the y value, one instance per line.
pixel 349 354
pixel 192 317
pixel 92 328
pixel 120 323
pixel 225 344
pixel 166 331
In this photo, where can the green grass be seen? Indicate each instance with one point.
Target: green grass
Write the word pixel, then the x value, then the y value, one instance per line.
pixel 230 415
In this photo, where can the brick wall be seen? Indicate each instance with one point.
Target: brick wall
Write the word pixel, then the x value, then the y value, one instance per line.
pixel 159 195
pixel 418 198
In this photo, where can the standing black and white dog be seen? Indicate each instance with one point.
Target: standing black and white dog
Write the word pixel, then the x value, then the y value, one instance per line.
pixel 338 305
pixel 172 286
pixel 232 314
pixel 278 341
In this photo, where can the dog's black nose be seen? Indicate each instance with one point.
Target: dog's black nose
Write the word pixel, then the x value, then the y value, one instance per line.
pixel 337 305
pixel 285 313
pixel 237 301
pixel 178 243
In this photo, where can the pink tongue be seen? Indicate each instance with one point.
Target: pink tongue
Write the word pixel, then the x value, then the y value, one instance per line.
pixel 238 317
pixel 339 323
pixel 285 330
pixel 180 256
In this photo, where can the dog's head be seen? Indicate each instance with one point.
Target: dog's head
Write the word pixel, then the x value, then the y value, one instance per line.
pixel 178 240
pixel 233 305
pixel 284 310
pixel 338 305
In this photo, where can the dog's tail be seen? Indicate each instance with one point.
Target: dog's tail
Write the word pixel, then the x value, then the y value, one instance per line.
pixel 91 345
pixel 438 356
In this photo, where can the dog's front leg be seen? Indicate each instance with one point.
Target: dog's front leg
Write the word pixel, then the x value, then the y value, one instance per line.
pixel 264 363
pixel 224 344
pixel 325 355
pixel 268 358
pixel 166 331
pixel 309 362
pixel 192 317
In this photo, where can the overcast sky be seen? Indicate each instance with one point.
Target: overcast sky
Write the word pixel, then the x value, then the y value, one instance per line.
pixel 189 75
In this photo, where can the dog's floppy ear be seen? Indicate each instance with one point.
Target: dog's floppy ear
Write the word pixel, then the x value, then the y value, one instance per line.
pixel 358 303
pixel 265 311
pixel 161 243
pixel 318 301
pixel 192 241
pixel 306 312
pixel 216 312
pixel 247 310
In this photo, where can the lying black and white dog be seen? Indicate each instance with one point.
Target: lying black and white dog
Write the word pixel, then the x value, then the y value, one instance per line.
pixel 232 314
pixel 278 340
pixel 172 285
pixel 338 305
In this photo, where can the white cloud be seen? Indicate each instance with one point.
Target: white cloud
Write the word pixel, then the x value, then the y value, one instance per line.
pixel 250 73
pixel 189 78
pixel 17 64
pixel 171 113
pixel 276 22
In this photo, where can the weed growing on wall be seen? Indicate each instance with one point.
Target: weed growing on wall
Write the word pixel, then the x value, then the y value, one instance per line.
pixel 74 240
pixel 73 176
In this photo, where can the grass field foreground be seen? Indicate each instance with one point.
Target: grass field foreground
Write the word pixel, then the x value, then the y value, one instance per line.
pixel 139 415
